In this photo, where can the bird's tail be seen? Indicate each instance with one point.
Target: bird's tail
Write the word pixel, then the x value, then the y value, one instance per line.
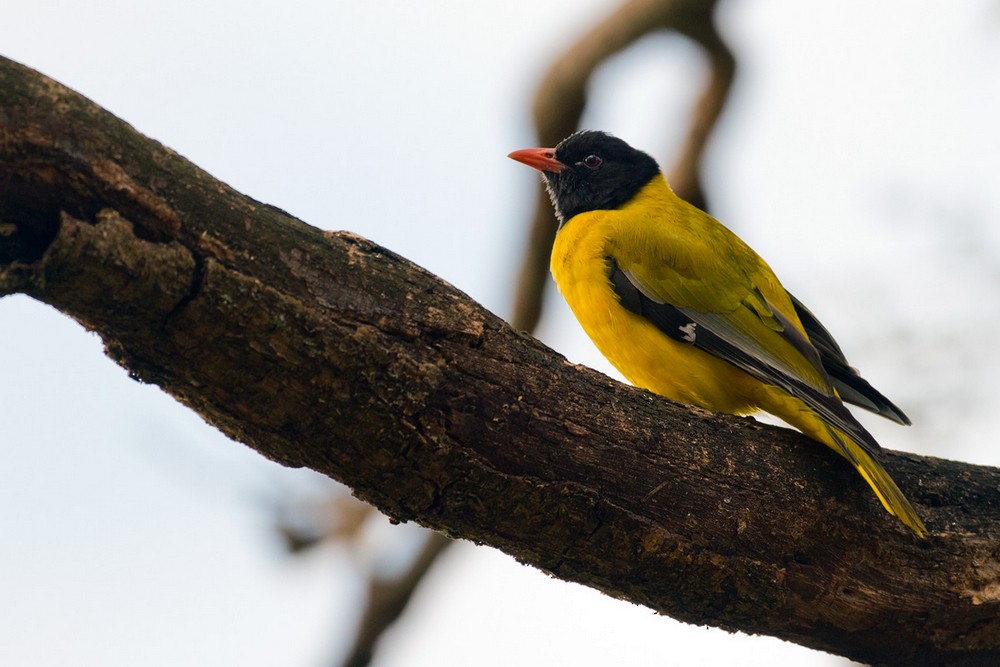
pixel 892 498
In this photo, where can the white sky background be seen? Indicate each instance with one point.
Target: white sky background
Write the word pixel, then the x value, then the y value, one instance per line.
pixel 860 155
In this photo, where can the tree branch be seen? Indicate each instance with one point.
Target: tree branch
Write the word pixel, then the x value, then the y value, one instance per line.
pixel 328 351
pixel 388 597
pixel 559 104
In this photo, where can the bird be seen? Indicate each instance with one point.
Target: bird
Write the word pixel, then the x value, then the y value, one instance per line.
pixel 684 308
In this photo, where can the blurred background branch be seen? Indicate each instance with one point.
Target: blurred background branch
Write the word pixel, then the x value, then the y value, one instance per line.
pixel 562 96
pixel 558 106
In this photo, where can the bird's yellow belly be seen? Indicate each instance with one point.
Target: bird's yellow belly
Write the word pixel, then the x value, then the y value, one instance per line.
pixel 644 354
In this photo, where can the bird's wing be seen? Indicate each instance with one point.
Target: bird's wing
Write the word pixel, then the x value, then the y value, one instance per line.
pixel 724 313
pixel 848 382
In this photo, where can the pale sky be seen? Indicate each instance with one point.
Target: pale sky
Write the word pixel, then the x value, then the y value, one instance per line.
pixel 860 155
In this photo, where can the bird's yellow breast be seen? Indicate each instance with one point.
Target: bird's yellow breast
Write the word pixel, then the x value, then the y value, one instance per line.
pixel 641 352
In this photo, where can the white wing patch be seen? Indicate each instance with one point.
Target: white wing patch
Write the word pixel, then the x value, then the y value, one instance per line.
pixel 688 331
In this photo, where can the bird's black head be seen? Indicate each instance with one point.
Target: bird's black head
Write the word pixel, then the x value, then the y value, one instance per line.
pixel 590 171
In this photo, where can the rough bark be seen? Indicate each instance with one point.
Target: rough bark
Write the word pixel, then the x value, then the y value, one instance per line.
pixel 325 350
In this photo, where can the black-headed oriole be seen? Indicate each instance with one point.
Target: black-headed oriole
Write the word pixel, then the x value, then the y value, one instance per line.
pixel 683 307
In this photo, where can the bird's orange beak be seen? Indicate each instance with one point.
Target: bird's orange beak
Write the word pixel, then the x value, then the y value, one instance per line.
pixel 542 159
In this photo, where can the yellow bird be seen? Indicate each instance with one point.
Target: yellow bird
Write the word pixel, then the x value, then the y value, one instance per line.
pixel 684 308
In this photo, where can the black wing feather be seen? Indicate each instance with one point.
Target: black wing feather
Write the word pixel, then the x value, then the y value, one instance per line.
pixel 692 327
pixel 846 380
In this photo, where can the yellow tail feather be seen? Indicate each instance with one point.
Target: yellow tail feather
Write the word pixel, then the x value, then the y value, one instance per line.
pixel 892 498
pixel 796 413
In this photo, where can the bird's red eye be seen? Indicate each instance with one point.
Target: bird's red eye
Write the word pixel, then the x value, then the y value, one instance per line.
pixel 592 161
